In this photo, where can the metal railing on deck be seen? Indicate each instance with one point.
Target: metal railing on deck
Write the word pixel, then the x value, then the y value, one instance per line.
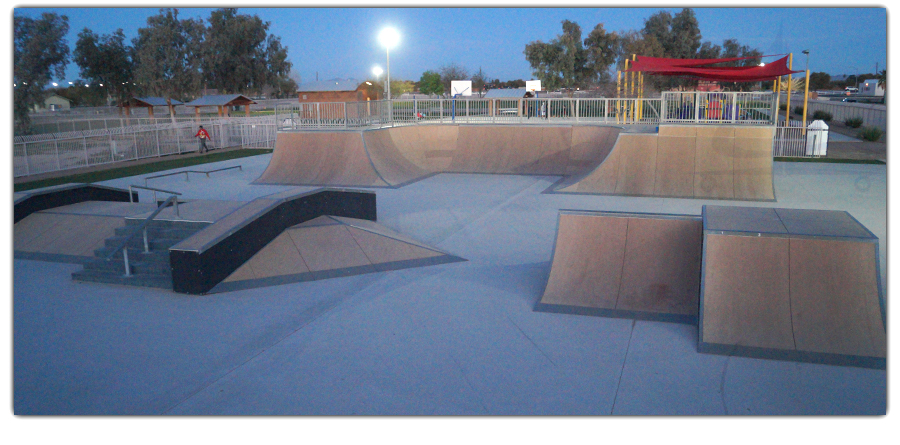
pixel 673 107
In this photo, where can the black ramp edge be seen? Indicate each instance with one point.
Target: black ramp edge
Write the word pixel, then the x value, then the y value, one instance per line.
pixel 197 273
pixel 821 358
pixel 66 196
pixel 616 313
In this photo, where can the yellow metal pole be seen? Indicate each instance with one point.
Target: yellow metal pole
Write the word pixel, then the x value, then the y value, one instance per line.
pixel 633 102
pixel 776 88
pixel 618 93
pixel 805 101
pixel 788 111
pixel 625 92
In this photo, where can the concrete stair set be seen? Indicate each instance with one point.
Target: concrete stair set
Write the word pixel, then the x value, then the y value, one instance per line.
pixel 148 269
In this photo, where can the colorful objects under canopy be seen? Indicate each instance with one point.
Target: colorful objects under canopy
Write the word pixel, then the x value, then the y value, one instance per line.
pixel 697 68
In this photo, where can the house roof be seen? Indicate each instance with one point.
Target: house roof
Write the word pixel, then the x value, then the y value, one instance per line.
pixel 506 92
pixel 155 101
pixel 329 85
pixel 219 100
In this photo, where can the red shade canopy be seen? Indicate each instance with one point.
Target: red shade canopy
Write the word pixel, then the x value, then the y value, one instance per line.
pixel 695 68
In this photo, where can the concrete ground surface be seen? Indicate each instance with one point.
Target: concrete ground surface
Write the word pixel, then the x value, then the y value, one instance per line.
pixel 452 339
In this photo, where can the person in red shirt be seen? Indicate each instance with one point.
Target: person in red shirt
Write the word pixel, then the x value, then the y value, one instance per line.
pixel 203 135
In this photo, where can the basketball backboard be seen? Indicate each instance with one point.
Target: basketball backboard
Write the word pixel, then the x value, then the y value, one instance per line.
pixel 460 88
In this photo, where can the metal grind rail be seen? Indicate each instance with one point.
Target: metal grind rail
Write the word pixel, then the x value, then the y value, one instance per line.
pixel 142 228
pixel 186 178
pixel 154 190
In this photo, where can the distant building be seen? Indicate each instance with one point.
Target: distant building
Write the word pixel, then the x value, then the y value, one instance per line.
pixel 334 90
pixel 505 93
pixel 148 103
pixel 223 103
pixel 52 102
pixel 869 87
pixel 709 86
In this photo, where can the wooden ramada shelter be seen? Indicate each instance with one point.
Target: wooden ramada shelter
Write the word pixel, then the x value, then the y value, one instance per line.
pixel 222 102
pixel 148 103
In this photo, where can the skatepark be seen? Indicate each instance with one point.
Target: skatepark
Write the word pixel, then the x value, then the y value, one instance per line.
pixel 458 337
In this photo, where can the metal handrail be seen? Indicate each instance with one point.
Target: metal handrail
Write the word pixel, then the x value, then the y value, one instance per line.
pixel 141 227
pixel 154 190
pixel 191 171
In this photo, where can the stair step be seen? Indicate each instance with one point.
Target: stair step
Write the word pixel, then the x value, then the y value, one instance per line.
pixel 137 242
pixel 118 266
pixel 167 224
pixel 136 279
pixel 158 232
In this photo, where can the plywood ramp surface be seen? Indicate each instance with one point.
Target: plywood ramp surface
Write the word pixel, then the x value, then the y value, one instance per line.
pixel 320 158
pixel 637 164
pixel 792 283
pixel 662 266
pixel 330 246
pixel 624 265
pixel 834 297
pixel 675 166
pixel 587 261
pixel 390 162
pixel 745 297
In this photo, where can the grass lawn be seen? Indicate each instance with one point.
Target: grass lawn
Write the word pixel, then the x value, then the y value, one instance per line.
pixel 120 172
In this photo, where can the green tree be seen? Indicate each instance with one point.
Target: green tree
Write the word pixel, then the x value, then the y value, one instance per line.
pixel 685 35
pixel 562 62
pixel 430 83
pixel 819 81
pixel 634 42
pixel 659 26
pixel 709 50
pixel 40 51
pixel 106 60
pixel 479 80
pixel 453 71
pixel 239 56
pixel 167 56
pixel 600 47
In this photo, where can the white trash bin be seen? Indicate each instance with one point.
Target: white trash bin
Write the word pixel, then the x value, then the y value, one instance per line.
pixel 817 139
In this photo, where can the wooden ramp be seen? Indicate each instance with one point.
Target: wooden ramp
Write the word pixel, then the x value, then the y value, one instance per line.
pixel 642 266
pixel 71 233
pixel 685 161
pixel 400 155
pixel 329 247
pixel 791 284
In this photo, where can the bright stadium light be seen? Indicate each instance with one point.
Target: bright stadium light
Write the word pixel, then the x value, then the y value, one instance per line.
pixel 389 37
pixel 55 84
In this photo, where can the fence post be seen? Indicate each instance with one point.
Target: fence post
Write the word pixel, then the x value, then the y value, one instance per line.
pixel 56 145
pixel 734 109
pixel 84 145
pixel 441 101
pixel 318 117
pixel 158 147
pixel 344 106
pixel 25 149
pixel 697 107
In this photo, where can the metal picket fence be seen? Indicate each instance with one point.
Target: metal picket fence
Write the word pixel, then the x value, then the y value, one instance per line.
pixel 45 153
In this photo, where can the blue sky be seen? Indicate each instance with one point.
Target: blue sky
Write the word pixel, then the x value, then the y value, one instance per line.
pixel 341 42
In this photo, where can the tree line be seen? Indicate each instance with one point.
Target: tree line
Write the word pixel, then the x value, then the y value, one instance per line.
pixel 570 62
pixel 171 57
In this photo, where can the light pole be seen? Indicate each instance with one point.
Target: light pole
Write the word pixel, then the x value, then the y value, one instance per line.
pixel 389 38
